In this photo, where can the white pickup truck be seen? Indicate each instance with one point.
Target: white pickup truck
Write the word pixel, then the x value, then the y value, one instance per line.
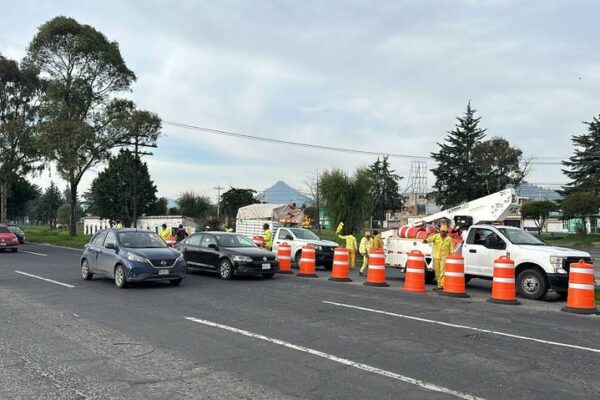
pixel 298 238
pixel 537 267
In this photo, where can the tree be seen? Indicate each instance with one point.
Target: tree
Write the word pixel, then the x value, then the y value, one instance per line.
pixel 159 207
pixel 20 92
pixel 84 71
pixel 173 211
pixel 385 193
pixel 347 198
pixel 234 198
pixel 111 193
pixel 193 205
pixel 456 170
pixel 497 166
pixel 64 212
pixel 538 211
pixel 580 205
pixel 48 204
pixel 583 168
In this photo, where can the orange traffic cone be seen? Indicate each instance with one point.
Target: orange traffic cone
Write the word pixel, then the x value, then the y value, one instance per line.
pixel 580 298
pixel 284 256
pixel 341 265
pixel 454 279
pixel 503 284
pixel 376 271
pixel 307 262
pixel 259 241
pixel 414 277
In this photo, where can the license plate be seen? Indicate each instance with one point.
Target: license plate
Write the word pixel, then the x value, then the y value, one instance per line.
pixel 163 272
pixel 266 266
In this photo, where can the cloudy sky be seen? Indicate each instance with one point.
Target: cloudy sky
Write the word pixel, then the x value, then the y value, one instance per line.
pixel 385 76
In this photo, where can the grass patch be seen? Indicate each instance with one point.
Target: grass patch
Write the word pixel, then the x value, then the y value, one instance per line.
pixel 597 295
pixel 58 237
pixel 572 240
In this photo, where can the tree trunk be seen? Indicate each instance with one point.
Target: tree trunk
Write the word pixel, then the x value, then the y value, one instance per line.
pixel 3 202
pixel 72 208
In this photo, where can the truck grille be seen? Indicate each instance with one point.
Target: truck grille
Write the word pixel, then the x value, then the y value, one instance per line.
pixel 571 260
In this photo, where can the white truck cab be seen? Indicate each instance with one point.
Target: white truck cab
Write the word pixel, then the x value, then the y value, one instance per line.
pixel 300 237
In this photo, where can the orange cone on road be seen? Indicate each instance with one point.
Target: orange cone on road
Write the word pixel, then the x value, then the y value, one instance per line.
pixel 307 262
pixel 376 271
pixel 414 277
pixel 580 298
pixel 454 277
pixel 341 265
pixel 503 285
pixel 284 256
pixel 259 240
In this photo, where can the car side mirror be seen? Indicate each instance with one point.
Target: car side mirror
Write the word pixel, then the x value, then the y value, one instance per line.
pixel 289 237
pixel 111 246
pixel 213 246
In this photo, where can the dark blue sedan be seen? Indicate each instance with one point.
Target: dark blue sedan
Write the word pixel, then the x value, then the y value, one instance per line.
pixel 131 255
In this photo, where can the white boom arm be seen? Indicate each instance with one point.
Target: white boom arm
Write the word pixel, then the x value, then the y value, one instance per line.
pixel 494 207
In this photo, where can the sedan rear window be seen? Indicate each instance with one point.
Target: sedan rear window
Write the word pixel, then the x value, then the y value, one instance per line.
pixel 4 229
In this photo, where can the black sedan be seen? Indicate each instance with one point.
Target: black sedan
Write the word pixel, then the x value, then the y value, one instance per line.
pixel 228 254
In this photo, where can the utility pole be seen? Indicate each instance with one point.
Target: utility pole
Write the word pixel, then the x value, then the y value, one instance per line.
pixel 218 189
pixel 318 205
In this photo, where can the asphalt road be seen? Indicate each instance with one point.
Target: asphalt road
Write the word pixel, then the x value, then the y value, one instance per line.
pixel 286 338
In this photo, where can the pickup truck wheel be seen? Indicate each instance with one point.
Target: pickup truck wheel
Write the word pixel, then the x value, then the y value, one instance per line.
pixel 531 284
pixel 467 278
pixel 429 277
pixel 297 258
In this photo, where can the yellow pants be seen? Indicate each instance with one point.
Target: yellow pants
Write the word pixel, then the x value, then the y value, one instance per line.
pixel 352 258
pixel 365 264
pixel 439 264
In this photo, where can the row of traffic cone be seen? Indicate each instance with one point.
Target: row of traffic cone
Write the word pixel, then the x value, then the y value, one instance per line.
pixel 580 298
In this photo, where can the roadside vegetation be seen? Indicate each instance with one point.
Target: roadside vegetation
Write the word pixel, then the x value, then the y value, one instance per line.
pixel 572 240
pixel 57 237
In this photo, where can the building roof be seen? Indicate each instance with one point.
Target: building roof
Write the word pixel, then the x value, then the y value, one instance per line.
pixel 282 193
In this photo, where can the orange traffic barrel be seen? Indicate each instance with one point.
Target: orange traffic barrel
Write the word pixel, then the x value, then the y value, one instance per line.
pixel 580 297
pixel 454 277
pixel 171 241
pixel 341 265
pixel 259 241
pixel 376 271
pixel 414 277
pixel 284 256
pixel 503 284
pixel 307 262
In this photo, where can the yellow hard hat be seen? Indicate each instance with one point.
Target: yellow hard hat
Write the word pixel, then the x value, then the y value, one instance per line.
pixel 444 228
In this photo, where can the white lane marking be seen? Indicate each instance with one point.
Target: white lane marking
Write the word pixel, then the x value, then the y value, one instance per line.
pixel 34 253
pixel 45 279
pixel 432 321
pixel 364 367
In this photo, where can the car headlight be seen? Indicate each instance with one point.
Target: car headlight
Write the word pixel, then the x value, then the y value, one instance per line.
pixel 242 259
pixel 557 262
pixel 134 257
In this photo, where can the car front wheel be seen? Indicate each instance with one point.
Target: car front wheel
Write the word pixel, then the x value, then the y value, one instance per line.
pixel 175 282
pixel 85 271
pixel 120 280
pixel 225 270
pixel 531 284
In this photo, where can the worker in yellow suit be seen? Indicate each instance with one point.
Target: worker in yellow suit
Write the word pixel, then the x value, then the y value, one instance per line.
pixel 164 233
pixel 377 240
pixel 351 244
pixel 366 243
pixel 442 246
pixel 267 237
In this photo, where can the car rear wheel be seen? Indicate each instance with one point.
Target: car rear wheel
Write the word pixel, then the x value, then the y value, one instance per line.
pixel 85 271
pixel 531 284
pixel 120 280
pixel 225 270
pixel 15 250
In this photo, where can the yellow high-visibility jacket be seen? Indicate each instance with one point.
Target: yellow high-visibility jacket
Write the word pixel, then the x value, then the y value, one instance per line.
pixel 164 233
pixel 268 238
pixel 441 247
pixel 365 245
pixel 350 242
pixel 378 241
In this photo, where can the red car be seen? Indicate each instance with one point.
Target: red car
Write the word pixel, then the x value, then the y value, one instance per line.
pixel 8 240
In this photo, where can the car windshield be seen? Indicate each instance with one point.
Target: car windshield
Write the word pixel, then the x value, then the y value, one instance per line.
pixel 518 236
pixel 304 234
pixel 230 240
pixel 141 240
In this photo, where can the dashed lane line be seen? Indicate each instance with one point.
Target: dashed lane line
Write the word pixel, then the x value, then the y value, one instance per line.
pixel 451 325
pixel 45 279
pixel 417 382
pixel 34 253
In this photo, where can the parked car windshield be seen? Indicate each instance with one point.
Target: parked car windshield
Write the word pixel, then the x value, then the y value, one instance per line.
pixel 141 240
pixel 4 229
pixel 230 240
pixel 304 234
pixel 518 236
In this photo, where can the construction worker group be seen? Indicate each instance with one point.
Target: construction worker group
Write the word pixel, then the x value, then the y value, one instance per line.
pixel 369 241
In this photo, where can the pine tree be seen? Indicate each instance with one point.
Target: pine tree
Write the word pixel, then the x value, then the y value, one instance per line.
pixel 385 192
pixel 583 168
pixel 456 171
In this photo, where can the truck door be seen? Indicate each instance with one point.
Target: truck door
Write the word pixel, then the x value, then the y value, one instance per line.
pixel 483 246
pixel 283 235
